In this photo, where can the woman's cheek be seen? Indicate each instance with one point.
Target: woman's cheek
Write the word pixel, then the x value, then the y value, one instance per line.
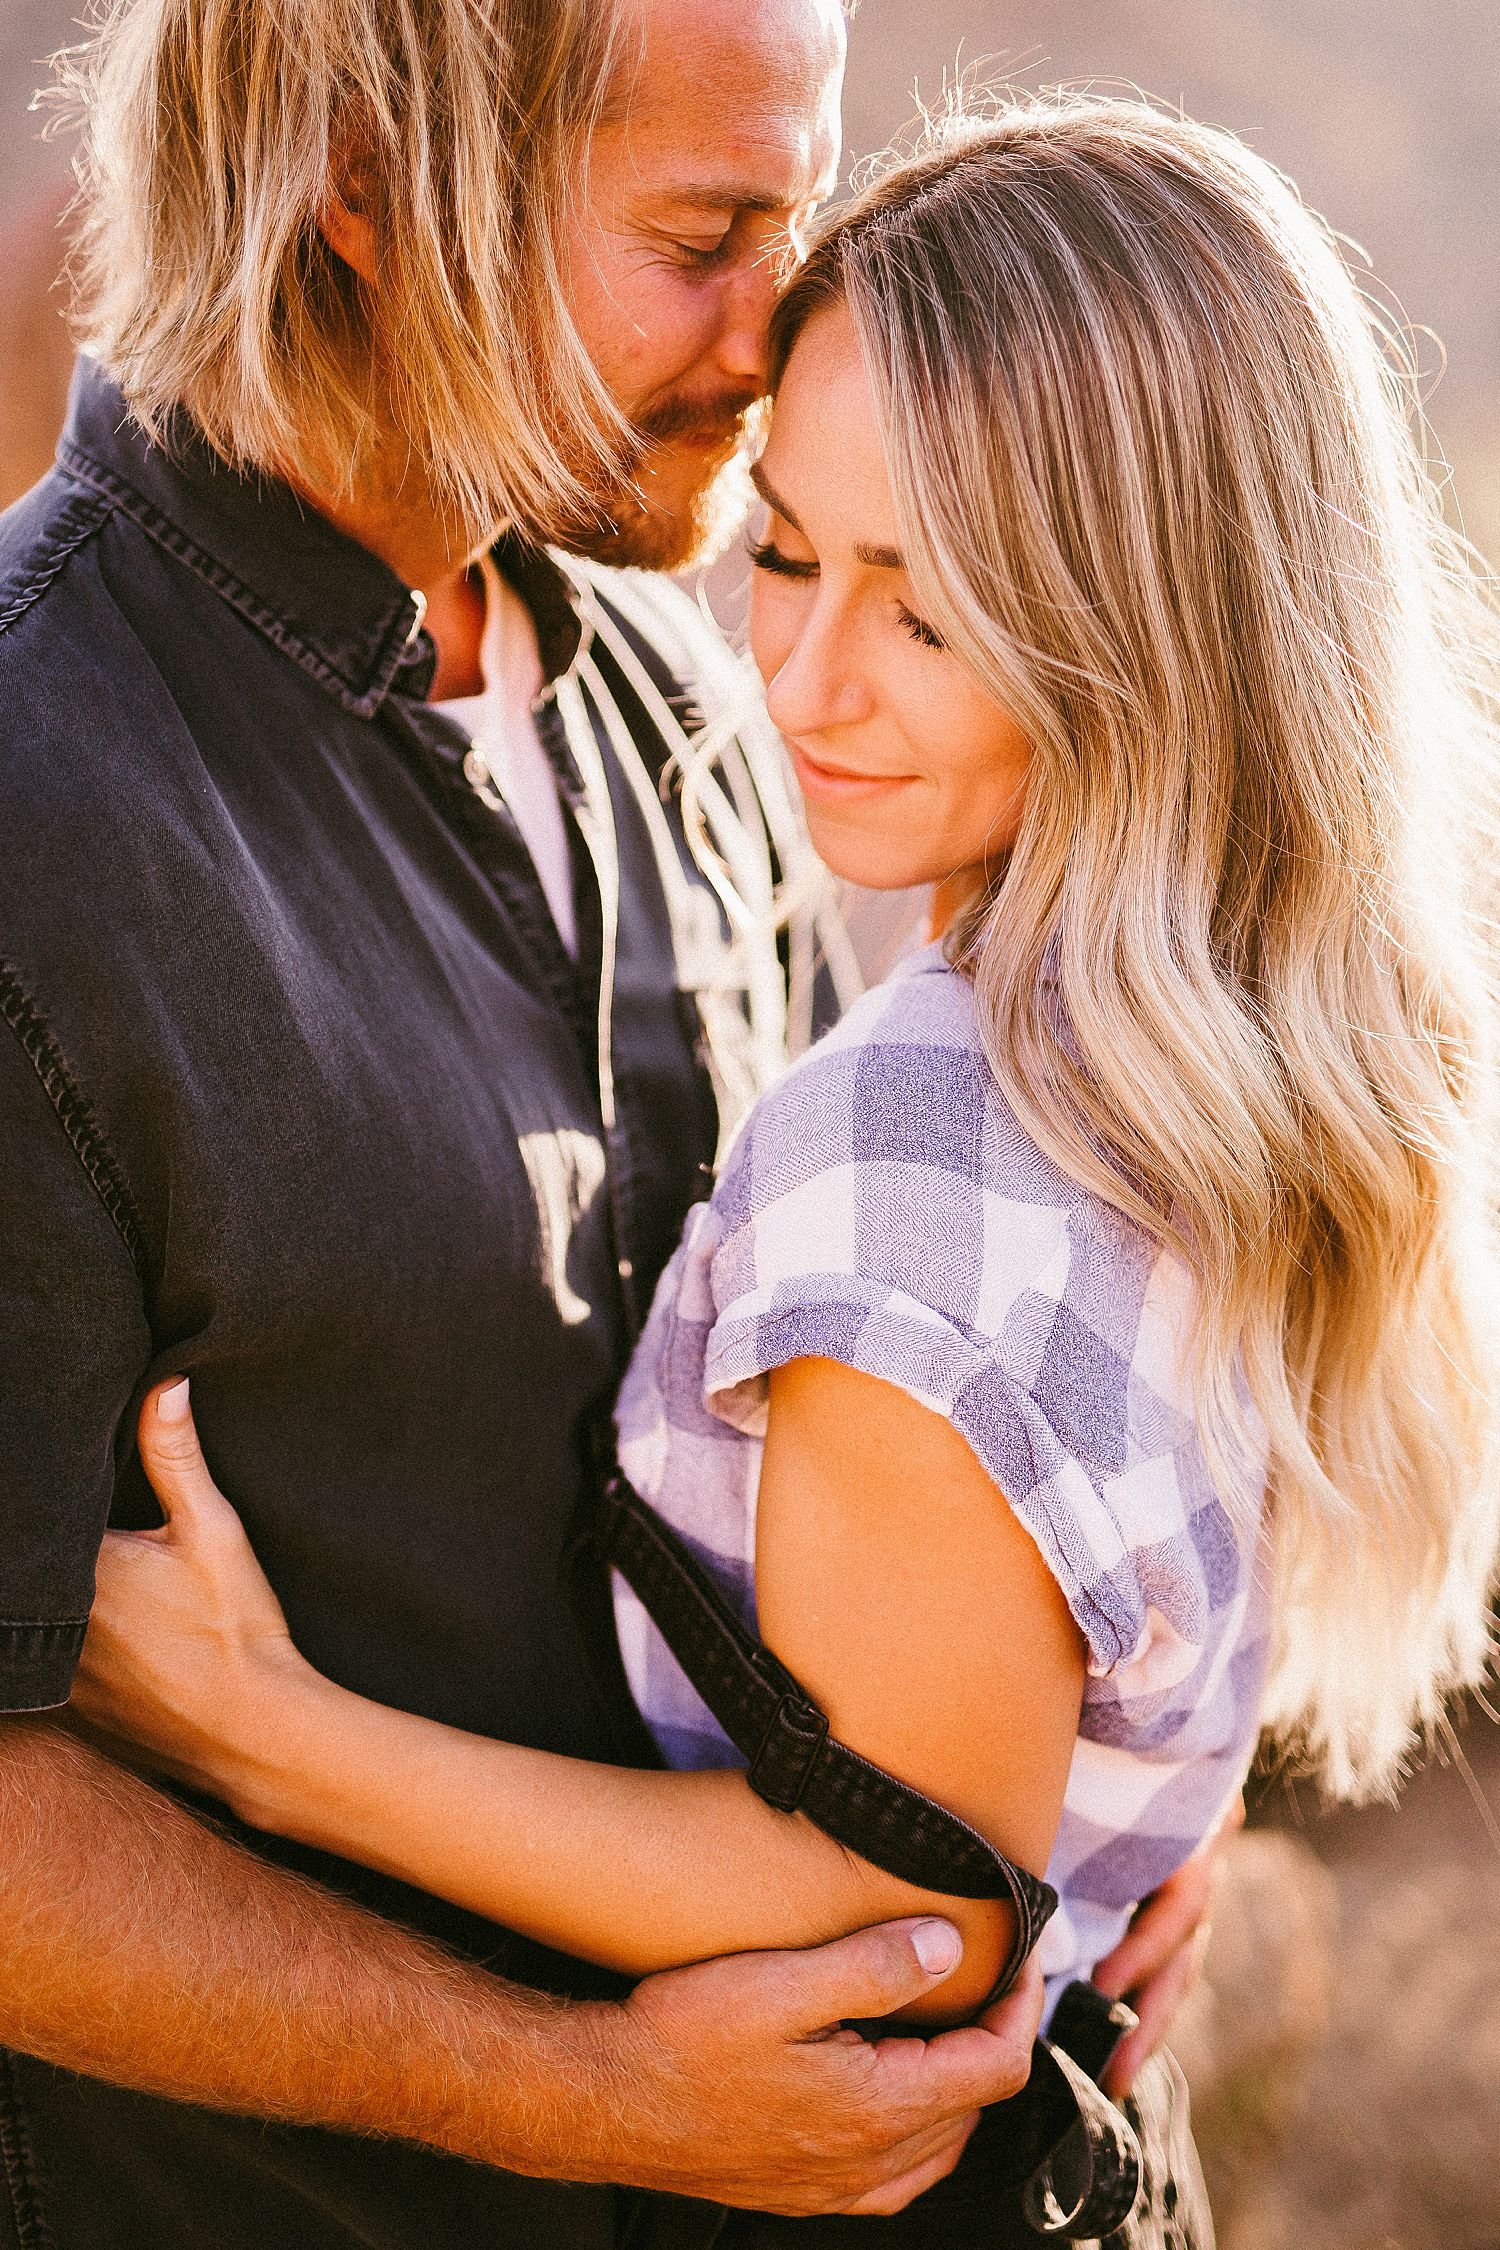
pixel 981 762
pixel 772 633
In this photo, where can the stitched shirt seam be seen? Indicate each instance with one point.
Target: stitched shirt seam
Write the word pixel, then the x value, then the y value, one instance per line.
pixel 230 589
pixel 75 1114
pixel 53 561
pixel 18 2163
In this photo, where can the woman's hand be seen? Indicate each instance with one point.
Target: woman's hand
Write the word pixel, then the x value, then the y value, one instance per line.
pixel 1156 1963
pixel 188 1657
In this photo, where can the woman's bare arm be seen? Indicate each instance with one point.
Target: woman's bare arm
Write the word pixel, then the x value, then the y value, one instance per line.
pixel 139 1946
pixel 893 1579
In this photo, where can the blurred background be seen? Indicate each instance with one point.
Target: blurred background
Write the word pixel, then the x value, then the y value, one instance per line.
pixel 1345 2047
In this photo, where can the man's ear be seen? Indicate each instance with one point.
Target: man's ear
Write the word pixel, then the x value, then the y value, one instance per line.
pixel 344 219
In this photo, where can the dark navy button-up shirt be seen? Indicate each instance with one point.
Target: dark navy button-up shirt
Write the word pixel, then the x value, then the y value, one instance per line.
pixel 300 1094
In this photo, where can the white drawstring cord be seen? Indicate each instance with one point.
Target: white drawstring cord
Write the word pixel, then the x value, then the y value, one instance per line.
pixel 737 808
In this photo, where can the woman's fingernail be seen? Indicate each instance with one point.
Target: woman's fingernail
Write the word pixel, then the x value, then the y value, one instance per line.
pixel 172 1402
pixel 937 1946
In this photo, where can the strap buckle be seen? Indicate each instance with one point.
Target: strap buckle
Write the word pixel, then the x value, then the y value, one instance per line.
pixel 613 1506
pixel 782 1766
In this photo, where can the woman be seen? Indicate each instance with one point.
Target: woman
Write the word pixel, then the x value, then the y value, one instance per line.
pixel 1083 1355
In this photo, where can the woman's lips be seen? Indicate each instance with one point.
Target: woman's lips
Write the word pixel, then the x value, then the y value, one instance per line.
pixel 837 785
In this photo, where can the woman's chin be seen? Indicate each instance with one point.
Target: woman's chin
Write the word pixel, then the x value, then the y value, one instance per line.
pixel 871 866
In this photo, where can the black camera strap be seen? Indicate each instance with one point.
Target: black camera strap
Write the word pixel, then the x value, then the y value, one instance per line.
pixel 1075 2153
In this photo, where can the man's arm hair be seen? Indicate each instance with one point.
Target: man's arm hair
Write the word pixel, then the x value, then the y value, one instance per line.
pixel 139 1945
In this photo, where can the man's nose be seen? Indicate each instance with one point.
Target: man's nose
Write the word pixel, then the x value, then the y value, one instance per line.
pixel 744 334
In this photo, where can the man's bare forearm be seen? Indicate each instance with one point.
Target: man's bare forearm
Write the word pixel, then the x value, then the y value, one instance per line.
pixel 138 1945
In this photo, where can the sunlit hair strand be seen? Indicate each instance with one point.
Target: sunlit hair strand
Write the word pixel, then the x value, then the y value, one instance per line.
pixel 1158 488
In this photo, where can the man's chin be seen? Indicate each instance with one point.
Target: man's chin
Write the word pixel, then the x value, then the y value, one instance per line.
pixel 638 532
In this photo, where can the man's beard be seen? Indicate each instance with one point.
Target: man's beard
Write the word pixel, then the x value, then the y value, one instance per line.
pixel 642 522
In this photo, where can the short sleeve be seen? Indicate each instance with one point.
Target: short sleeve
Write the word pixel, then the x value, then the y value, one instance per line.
pixel 894 1219
pixel 75 1346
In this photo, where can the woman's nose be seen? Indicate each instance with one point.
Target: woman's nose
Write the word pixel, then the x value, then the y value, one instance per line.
pixel 818 683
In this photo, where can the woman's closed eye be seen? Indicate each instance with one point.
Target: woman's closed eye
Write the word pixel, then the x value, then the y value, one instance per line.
pixel 766 555
pixel 919 629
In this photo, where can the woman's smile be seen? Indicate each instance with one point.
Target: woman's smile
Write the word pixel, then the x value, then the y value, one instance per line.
pixel 842 785
pixel 911 773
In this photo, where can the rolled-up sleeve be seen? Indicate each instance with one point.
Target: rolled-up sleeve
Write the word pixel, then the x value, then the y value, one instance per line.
pixel 74 1346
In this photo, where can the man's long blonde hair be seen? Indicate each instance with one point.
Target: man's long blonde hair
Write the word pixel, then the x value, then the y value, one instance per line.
pixel 1158 489
pixel 213 132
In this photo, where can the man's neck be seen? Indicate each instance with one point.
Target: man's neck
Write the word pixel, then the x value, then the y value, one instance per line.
pixel 431 553
pixel 455 619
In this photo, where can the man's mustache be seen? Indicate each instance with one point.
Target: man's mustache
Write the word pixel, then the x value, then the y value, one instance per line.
pixel 708 420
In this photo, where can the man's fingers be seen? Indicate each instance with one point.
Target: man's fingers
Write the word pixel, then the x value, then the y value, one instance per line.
pixel 870 1973
pixel 173 1459
pixel 884 2202
pixel 1019 2014
pixel 980 2063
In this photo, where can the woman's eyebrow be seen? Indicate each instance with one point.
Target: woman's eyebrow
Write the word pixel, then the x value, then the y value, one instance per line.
pixel 874 558
pixel 772 497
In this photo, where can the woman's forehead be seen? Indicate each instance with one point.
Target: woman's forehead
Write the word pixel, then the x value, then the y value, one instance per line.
pixel 824 451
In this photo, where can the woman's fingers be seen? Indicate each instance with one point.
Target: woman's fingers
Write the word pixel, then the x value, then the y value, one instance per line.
pixel 1168 1922
pixel 1155 2003
pixel 185 1630
pixel 1156 1963
pixel 1164 1927
pixel 221 1589
pixel 173 1459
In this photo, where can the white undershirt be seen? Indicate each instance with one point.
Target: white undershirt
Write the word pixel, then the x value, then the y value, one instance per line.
pixel 500 724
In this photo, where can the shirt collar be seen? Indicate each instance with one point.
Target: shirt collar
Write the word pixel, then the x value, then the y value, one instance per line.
pixel 325 601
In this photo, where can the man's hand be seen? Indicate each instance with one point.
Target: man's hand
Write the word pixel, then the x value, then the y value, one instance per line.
pixel 1156 1963
pixel 248 1989
pixel 730 2081
pixel 735 2084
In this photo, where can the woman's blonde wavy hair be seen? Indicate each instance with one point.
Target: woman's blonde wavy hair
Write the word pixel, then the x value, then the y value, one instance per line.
pixel 1158 487
pixel 213 131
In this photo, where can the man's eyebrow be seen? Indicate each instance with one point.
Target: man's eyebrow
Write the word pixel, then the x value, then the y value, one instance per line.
pixel 739 195
pixel 725 195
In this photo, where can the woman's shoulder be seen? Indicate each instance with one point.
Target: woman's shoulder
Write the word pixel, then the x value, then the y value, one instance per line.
pixel 899 1099
pixel 887 1182
pixel 884 1207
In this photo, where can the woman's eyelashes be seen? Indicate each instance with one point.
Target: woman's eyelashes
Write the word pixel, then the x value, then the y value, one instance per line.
pixel 766 555
pixel 919 628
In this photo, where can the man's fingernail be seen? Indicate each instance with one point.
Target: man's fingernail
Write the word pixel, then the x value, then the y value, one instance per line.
pixel 937 1946
pixel 172 1403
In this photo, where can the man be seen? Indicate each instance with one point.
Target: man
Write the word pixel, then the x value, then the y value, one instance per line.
pixel 353 1065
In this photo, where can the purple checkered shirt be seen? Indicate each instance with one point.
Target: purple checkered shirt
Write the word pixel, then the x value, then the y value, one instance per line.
pixel 882 1207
